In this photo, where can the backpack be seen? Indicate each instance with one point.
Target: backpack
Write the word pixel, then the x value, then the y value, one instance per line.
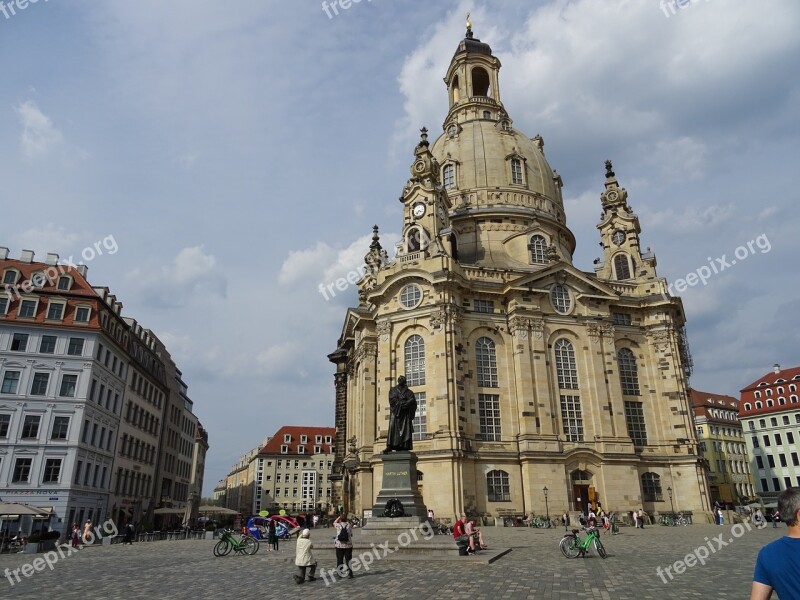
pixel 344 535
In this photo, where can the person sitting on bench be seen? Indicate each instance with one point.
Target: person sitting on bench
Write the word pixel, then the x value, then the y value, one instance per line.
pixel 460 533
pixel 474 532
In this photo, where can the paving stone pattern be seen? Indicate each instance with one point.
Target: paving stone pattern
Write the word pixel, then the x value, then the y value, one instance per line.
pixel 535 568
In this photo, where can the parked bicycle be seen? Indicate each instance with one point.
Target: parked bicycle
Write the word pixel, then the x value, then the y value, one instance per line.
pixel 573 546
pixel 674 521
pixel 247 545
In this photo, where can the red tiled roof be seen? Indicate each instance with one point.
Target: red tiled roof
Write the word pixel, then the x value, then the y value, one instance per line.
pixel 699 398
pixel 771 378
pixel 273 446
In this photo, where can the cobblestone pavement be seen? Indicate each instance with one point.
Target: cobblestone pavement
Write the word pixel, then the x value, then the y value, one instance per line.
pixel 535 568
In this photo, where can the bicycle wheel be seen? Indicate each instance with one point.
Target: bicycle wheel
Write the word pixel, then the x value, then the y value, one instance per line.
pixel 570 546
pixel 250 545
pixel 222 548
pixel 599 547
pixel 684 521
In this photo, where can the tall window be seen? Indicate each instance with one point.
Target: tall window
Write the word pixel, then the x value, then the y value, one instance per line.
pixel 10 382
pixel 538 248
pixel 27 308
pixel 68 385
pixel 47 344
pixel 60 428
pixel 486 360
pixel 52 470
pixel 628 373
pixel 415 360
pixel 651 487
pixel 565 365
pixel 39 385
pixel 22 470
pixel 498 487
pixel 5 422
pixel 55 311
pixel 622 267
pixel 489 413
pixel 19 342
pixel 421 417
pixel 572 418
pixel 516 171
pixel 449 177
pixel 634 418
pixel 30 426
pixel 75 347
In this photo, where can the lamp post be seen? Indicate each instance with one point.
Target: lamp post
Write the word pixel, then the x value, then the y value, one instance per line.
pixel 546 505
pixel 669 491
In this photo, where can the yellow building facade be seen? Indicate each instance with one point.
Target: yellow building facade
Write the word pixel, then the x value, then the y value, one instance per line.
pixel 529 372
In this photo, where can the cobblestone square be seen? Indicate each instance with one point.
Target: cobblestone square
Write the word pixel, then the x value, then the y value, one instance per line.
pixel 535 568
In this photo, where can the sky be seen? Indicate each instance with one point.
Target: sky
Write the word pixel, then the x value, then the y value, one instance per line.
pixel 238 155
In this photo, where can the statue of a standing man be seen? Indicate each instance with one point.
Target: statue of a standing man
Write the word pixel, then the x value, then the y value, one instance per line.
pixel 402 408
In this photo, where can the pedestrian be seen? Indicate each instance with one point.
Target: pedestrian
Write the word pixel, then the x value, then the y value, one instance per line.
pixel 779 562
pixel 273 535
pixel 76 534
pixel 344 546
pixel 720 517
pixel 430 516
pixel 314 520
pixel 642 517
pixel 776 516
pixel 128 539
pixel 87 531
pixel 636 519
pixel 304 559
pixel 565 520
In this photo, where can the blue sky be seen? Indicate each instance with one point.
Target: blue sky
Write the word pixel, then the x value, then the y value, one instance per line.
pixel 239 153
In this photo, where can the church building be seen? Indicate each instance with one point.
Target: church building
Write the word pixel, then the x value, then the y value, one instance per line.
pixel 540 387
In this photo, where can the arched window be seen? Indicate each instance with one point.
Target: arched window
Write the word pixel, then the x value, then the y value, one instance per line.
pixel 759 404
pixel 565 365
pixel 516 171
pixel 456 90
pixel 480 82
pixel 651 487
pixel 622 267
pixel 628 373
pixel 415 360
pixel 486 362
pixel 538 248
pixel 449 176
pixel 497 486
pixel 758 394
pixel 414 240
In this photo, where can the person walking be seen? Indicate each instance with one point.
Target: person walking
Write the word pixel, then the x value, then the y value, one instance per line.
pixel 776 516
pixel 76 534
pixel 304 559
pixel 128 539
pixel 344 546
pixel 87 531
pixel 636 519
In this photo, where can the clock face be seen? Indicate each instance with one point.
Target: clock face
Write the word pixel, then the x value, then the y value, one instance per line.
pixel 618 237
pixel 418 210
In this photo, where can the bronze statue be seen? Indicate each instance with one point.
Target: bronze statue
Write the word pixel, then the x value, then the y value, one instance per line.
pixel 402 408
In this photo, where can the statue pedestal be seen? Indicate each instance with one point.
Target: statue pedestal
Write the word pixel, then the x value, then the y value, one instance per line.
pixel 400 482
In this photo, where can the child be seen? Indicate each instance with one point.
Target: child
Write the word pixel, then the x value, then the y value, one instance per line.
pixel 304 559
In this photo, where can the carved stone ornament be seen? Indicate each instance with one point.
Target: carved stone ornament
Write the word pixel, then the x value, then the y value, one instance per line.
pixel 519 327
pixel 537 327
pixel 384 329
pixel 659 338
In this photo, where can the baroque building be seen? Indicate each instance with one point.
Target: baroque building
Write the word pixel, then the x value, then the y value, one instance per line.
pixel 722 446
pixel 769 411
pixel 530 373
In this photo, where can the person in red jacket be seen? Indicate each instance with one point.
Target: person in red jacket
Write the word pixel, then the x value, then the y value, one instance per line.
pixel 460 533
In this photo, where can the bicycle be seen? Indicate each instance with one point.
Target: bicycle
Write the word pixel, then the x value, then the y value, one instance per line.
pixel 247 545
pixel 572 545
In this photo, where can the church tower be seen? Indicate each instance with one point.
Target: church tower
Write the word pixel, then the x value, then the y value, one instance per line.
pixel 529 372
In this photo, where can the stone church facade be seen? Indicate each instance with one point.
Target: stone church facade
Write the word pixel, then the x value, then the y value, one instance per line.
pixel 529 372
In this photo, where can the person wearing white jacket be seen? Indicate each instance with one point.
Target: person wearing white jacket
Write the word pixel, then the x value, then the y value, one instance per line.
pixel 304 559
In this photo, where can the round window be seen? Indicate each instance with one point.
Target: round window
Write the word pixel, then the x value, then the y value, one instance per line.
pixel 559 297
pixel 410 296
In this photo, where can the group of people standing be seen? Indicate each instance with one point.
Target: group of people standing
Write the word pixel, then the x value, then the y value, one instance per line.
pixel 343 542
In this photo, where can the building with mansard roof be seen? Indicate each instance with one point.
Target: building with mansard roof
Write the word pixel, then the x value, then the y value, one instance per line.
pixel 540 386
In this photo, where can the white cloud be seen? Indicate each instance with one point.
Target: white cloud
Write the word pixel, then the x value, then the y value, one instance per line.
pixel 690 220
pixel 192 273
pixel 49 237
pixel 39 135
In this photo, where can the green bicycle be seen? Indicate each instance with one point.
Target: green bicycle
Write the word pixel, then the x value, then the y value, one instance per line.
pixel 247 545
pixel 573 546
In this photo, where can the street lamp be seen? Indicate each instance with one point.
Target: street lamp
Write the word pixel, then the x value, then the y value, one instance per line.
pixel 669 491
pixel 546 506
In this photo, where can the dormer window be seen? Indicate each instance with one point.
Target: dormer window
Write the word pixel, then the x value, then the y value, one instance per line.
pixel 303 439
pixel 301 449
pixel 65 282
pixel 759 404
pixel 287 437
pixel 10 276
pixel 317 450
pixel 38 279
pixel 516 172
pixel 318 439
pixel 449 176
pixel 538 249
pixel 328 439
pixel 27 308
pixel 758 394
pixel 284 449
pixel 3 305
pixel 55 311
pixel 82 314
